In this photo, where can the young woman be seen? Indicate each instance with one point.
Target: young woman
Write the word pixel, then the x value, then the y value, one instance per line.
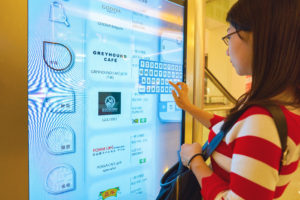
pixel 263 41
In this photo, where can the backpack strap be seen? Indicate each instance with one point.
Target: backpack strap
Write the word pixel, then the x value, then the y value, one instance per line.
pixel 281 126
pixel 209 148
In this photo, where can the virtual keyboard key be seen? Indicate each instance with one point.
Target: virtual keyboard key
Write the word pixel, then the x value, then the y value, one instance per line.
pixel 148 89
pixel 157 89
pixel 160 73
pixel 166 89
pixel 157 81
pixel 142 88
pixel 151 72
pixel 164 74
pixel 153 89
pixel 151 65
pixel 144 80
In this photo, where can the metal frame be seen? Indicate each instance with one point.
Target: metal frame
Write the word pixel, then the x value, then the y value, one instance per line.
pixel 195 66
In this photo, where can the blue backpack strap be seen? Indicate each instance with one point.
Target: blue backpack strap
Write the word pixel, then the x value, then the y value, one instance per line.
pixel 208 148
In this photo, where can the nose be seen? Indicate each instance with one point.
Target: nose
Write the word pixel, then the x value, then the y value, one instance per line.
pixel 227 52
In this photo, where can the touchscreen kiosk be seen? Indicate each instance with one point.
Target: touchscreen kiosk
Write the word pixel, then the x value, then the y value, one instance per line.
pixel 101 118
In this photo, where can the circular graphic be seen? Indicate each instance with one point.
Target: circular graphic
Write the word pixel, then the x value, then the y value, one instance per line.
pixel 61 179
pixel 61 140
pixel 57 56
pixel 110 101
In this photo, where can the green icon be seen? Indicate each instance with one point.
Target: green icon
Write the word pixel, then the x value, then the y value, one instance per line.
pixel 142 160
pixel 143 120
pixel 135 121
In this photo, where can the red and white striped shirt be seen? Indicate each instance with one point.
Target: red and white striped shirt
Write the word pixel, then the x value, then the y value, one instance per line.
pixel 246 162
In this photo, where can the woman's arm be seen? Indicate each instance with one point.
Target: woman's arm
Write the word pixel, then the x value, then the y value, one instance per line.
pixel 197 164
pixel 182 101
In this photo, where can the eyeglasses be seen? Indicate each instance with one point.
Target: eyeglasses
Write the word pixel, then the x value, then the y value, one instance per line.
pixel 226 38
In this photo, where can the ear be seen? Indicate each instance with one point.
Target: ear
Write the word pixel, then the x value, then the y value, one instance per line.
pixel 246 36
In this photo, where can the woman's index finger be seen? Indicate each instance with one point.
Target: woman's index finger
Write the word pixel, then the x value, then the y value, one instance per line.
pixel 175 86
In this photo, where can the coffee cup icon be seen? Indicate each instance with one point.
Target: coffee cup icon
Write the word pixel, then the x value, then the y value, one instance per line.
pixel 57 13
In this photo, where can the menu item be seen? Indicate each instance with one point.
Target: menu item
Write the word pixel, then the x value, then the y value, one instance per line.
pixel 57 56
pixel 61 179
pixel 109 60
pixel 57 13
pixel 61 140
pixel 111 153
pixel 60 100
pixel 133 186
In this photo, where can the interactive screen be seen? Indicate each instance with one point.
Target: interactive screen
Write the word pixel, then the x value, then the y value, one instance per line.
pixel 102 121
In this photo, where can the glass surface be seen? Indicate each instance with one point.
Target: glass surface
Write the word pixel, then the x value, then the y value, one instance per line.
pixel 102 120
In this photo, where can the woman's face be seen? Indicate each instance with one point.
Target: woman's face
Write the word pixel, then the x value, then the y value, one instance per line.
pixel 239 50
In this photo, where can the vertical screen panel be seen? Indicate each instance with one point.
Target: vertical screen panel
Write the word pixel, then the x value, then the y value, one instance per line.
pixel 102 120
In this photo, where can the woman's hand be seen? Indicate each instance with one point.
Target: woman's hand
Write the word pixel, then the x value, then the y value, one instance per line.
pixel 181 97
pixel 197 165
pixel 188 150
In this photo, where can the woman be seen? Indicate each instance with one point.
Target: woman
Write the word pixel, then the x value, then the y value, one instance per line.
pixel 263 41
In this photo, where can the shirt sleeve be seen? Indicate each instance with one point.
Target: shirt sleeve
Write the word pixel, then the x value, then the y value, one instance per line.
pixel 216 119
pixel 254 162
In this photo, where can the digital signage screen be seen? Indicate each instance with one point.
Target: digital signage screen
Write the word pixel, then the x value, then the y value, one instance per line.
pixel 101 118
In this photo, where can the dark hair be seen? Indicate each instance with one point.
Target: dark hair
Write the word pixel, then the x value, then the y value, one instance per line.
pixel 275 25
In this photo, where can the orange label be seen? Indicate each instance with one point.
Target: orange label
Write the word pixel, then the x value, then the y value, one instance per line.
pixel 109 193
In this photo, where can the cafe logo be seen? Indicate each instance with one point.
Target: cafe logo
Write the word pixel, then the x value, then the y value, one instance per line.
pixel 110 56
pixel 113 192
pixel 109 103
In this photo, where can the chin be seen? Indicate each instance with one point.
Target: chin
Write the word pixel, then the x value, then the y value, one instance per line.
pixel 238 71
pixel 241 72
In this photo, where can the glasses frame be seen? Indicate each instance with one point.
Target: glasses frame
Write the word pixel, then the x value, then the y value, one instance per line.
pixel 226 38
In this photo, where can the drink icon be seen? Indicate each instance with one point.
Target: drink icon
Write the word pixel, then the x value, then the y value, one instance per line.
pixel 57 13
pixel 61 179
pixel 61 140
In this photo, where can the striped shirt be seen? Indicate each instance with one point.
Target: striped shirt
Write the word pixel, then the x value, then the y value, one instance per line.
pixel 246 163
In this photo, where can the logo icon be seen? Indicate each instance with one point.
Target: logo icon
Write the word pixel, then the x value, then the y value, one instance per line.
pixel 108 193
pixel 109 103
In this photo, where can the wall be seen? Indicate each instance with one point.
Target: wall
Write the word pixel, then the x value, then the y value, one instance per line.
pixel 13 101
